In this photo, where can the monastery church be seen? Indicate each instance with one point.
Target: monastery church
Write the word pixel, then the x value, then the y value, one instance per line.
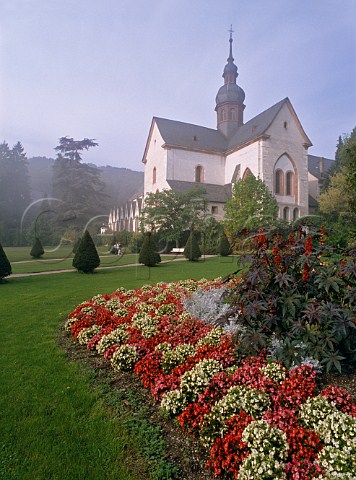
pixel 273 146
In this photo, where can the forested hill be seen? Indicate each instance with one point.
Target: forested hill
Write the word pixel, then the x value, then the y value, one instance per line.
pixel 120 183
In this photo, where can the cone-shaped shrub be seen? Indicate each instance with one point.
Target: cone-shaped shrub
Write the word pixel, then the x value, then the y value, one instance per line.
pixel 5 266
pixel 37 249
pixel 86 258
pixel 224 245
pixel 148 254
pixel 192 251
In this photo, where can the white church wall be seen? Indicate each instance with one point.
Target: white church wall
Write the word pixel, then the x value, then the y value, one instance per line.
pixel 314 186
pixel 181 165
pixel 247 157
pixel 156 157
pixel 285 137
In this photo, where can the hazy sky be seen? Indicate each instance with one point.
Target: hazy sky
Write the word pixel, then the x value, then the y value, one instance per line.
pixel 103 68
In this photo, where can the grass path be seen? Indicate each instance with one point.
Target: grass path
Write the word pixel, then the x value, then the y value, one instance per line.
pixel 53 425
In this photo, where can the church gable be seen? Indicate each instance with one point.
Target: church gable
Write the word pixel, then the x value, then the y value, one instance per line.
pixel 286 126
pixel 155 160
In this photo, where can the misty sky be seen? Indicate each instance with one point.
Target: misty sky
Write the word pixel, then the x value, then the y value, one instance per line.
pixel 103 68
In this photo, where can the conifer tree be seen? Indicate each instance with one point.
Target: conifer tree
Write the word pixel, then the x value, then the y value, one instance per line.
pixel 192 250
pixel 86 258
pixel 37 249
pixel 148 254
pixel 5 266
pixel 224 246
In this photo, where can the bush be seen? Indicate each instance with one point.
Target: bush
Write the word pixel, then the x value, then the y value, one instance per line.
pixel 192 250
pixel 37 249
pixel 297 301
pixel 148 254
pixel 5 266
pixel 86 258
pixel 224 246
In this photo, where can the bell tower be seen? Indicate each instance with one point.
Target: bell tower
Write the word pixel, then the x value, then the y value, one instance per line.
pixel 230 98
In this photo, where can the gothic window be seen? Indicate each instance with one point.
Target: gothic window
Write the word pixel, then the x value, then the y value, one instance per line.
pixel 290 183
pixel 278 186
pixel 154 175
pixel 247 172
pixel 286 213
pixel 232 114
pixel 199 174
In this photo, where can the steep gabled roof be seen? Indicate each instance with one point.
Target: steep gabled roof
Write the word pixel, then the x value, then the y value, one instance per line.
pixel 258 126
pixel 213 193
pixel 319 166
pixel 194 137
pixel 189 136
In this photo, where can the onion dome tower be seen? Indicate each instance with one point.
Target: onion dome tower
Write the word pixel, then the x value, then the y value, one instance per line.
pixel 230 99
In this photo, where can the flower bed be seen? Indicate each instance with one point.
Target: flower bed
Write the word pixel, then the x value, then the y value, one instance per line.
pixel 256 418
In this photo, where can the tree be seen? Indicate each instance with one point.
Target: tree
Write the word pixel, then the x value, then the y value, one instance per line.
pixel 148 254
pixel 86 259
pixel 224 246
pixel 77 184
pixel 340 158
pixel 192 250
pixel 171 213
pixel 14 190
pixel 37 249
pixel 252 206
pixel 338 202
pixel 211 231
pixel 5 266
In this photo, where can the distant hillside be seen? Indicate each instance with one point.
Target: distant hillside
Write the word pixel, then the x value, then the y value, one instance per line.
pixel 120 183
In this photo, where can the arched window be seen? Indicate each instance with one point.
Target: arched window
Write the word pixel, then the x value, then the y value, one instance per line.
pixel 278 182
pixel 247 172
pixel 224 115
pixel 199 171
pixel 232 114
pixel 154 175
pixel 286 213
pixel 295 214
pixel 290 183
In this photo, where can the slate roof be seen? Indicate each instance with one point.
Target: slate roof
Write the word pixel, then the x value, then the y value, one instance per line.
pixel 195 137
pixel 214 193
pixel 187 135
pixel 314 165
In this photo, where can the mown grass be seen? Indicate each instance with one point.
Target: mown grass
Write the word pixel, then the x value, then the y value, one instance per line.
pixel 53 425
pixel 62 258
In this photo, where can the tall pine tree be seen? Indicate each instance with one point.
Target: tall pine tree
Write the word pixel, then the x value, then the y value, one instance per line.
pixel 77 184
pixel 14 191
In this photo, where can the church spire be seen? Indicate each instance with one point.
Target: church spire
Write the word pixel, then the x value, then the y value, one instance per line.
pixel 230 98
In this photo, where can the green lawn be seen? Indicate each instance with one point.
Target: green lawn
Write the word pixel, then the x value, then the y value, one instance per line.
pixel 61 259
pixel 53 425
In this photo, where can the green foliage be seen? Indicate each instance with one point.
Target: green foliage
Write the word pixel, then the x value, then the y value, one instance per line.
pixel 86 259
pixel 170 213
pixel 5 266
pixel 192 250
pixel 298 301
pixel 78 185
pixel 252 206
pixel 37 249
pixel 224 246
pixel 148 254
pixel 14 191
pixel 211 231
